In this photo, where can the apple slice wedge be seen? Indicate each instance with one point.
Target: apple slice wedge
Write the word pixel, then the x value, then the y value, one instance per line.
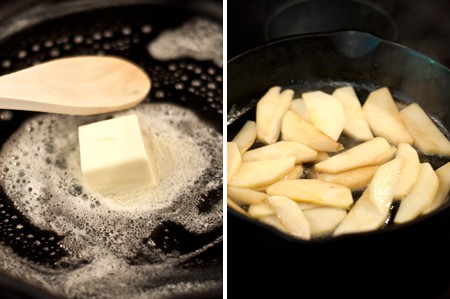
pixel 427 136
pixel 245 196
pixel 443 174
pixel 260 210
pixel 233 205
pixel 384 119
pixel 234 160
pixel 269 113
pixel 281 149
pixel 421 196
pixel 313 191
pixel 409 171
pixel 364 216
pixel 295 128
pixel 275 222
pixel 355 179
pixel 290 216
pixel 363 154
pixel 356 125
pixel 384 183
pixel 296 173
pixel 255 174
pixel 372 209
pixel 245 138
pixel 298 106
pixel 324 220
pixel 325 112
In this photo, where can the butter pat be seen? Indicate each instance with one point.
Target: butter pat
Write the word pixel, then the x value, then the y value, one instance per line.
pixel 113 153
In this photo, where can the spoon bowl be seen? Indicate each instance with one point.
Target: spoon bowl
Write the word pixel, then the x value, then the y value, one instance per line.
pixel 81 85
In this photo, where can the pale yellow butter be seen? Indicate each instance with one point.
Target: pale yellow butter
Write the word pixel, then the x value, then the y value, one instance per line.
pixel 113 153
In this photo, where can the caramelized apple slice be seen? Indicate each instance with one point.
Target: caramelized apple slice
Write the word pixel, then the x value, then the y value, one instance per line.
pixel 382 187
pixel 254 174
pixel 325 112
pixel 355 179
pixel 427 137
pixel 234 159
pixel 356 125
pixel 324 220
pixel 233 205
pixel 371 210
pixel 295 128
pixel 290 216
pixel 245 138
pixel 384 118
pixel 364 216
pixel 282 149
pixel 245 196
pixel 421 196
pixel 275 222
pixel 443 174
pixel 260 210
pixel 298 106
pixel 269 113
pixel 313 191
pixel 409 171
pixel 363 154
pixel 296 173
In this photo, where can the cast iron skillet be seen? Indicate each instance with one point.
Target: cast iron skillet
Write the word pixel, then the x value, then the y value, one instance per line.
pixel 326 61
pixel 121 28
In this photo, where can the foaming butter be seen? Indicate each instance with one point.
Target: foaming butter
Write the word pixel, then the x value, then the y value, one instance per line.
pixel 113 154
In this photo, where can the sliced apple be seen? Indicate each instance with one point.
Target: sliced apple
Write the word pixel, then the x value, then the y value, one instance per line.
pixel 324 220
pixel 388 156
pixel 382 187
pixel 254 174
pixel 355 179
pixel 306 206
pixel 296 173
pixel 275 222
pixel 290 216
pixel 269 113
pixel 384 118
pixel 363 154
pixel 409 171
pixel 233 205
pixel 443 174
pixel 427 136
pixel 260 210
pixel 282 149
pixel 356 125
pixel 234 160
pixel 295 128
pixel 245 196
pixel 245 138
pixel 313 191
pixel 322 156
pixel 421 196
pixel 364 216
pixel 325 112
pixel 298 106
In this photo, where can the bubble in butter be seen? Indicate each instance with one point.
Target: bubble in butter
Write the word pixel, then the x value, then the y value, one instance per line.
pixel 40 170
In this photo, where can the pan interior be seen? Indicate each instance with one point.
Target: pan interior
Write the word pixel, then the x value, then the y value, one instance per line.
pixel 172 256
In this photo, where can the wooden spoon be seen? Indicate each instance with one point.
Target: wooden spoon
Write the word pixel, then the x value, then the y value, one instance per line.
pixel 82 85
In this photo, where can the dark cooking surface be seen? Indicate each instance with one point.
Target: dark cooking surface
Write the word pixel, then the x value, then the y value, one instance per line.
pixel 122 31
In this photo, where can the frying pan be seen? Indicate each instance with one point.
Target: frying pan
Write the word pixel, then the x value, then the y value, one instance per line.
pixel 397 260
pixel 121 28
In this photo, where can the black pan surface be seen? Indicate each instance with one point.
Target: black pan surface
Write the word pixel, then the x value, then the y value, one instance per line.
pixel 407 253
pixel 125 30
